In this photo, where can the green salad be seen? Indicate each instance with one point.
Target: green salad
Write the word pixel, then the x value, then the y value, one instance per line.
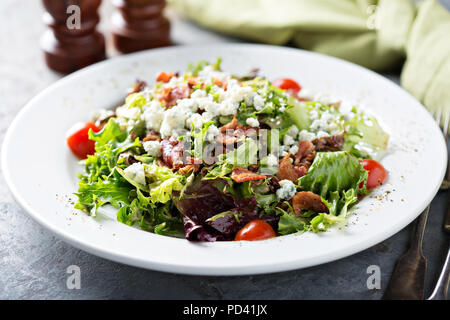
pixel 209 156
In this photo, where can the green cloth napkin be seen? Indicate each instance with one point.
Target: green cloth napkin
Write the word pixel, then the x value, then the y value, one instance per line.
pixel 377 34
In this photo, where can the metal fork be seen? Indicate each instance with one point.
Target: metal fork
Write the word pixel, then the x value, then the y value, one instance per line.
pixel 408 279
pixel 441 289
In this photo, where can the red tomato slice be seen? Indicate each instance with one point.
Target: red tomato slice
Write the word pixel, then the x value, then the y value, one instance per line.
pixel 291 86
pixel 78 139
pixel 255 230
pixel 377 173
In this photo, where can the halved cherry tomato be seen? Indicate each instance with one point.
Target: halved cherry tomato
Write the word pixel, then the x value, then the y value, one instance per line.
pixel 255 230
pixel 291 86
pixel 377 173
pixel 78 139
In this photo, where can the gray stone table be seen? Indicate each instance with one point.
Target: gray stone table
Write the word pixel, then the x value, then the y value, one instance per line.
pixel 33 262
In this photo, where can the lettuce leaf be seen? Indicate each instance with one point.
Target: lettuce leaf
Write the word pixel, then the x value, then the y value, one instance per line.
pixel 364 136
pixel 110 142
pixel 157 218
pixel 163 182
pixel 243 156
pixel 333 171
pixel 92 195
pixel 290 223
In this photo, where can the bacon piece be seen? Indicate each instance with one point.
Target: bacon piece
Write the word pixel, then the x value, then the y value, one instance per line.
pixel 305 154
pixel 241 175
pixel 306 200
pixel 332 143
pixel 191 82
pixel 138 86
pixel 164 77
pixel 304 148
pixel 286 170
pixel 300 171
pixel 232 132
pixel 152 136
pixel 172 153
pixel 189 167
pixel 229 126
pixel 170 96
pixel 217 82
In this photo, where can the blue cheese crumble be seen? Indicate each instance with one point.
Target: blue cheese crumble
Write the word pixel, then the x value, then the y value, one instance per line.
pixel 153 148
pixel 136 173
pixel 287 190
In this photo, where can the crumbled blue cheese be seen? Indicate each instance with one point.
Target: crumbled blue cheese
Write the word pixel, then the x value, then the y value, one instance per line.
pixel 325 125
pixel 293 131
pixel 153 148
pixel 288 140
pixel 153 115
pixel 287 190
pixel 128 113
pixel 258 102
pixel 212 133
pixel 252 122
pixel 306 135
pixel 174 121
pixel 322 134
pixel 136 173
pixel 272 160
pixel 293 149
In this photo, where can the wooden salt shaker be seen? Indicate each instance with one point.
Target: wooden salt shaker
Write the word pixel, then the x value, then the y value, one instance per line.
pixel 71 47
pixel 139 25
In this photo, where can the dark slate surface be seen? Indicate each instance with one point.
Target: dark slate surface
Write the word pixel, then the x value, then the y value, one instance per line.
pixel 33 262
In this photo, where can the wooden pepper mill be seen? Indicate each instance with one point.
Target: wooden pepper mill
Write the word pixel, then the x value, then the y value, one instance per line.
pixel 139 25
pixel 67 47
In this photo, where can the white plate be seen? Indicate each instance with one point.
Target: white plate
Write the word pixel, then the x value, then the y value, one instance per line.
pixel 41 171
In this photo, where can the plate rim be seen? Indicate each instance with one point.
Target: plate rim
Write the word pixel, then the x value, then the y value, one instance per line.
pixel 195 270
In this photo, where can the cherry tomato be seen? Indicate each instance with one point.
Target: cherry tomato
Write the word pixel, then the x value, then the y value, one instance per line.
pixel 255 230
pixel 78 139
pixel 377 173
pixel 291 86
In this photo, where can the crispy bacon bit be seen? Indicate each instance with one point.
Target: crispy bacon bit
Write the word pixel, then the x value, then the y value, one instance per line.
pixel 305 154
pixel 172 153
pixel 138 86
pixel 164 77
pixel 191 82
pixel 232 132
pixel 333 143
pixel 188 168
pixel 225 85
pixel 229 126
pixel 286 170
pixel 128 156
pixel 152 136
pixel 304 148
pixel 217 82
pixel 241 175
pixel 161 163
pixel 301 171
pixel 169 96
pixel 306 200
